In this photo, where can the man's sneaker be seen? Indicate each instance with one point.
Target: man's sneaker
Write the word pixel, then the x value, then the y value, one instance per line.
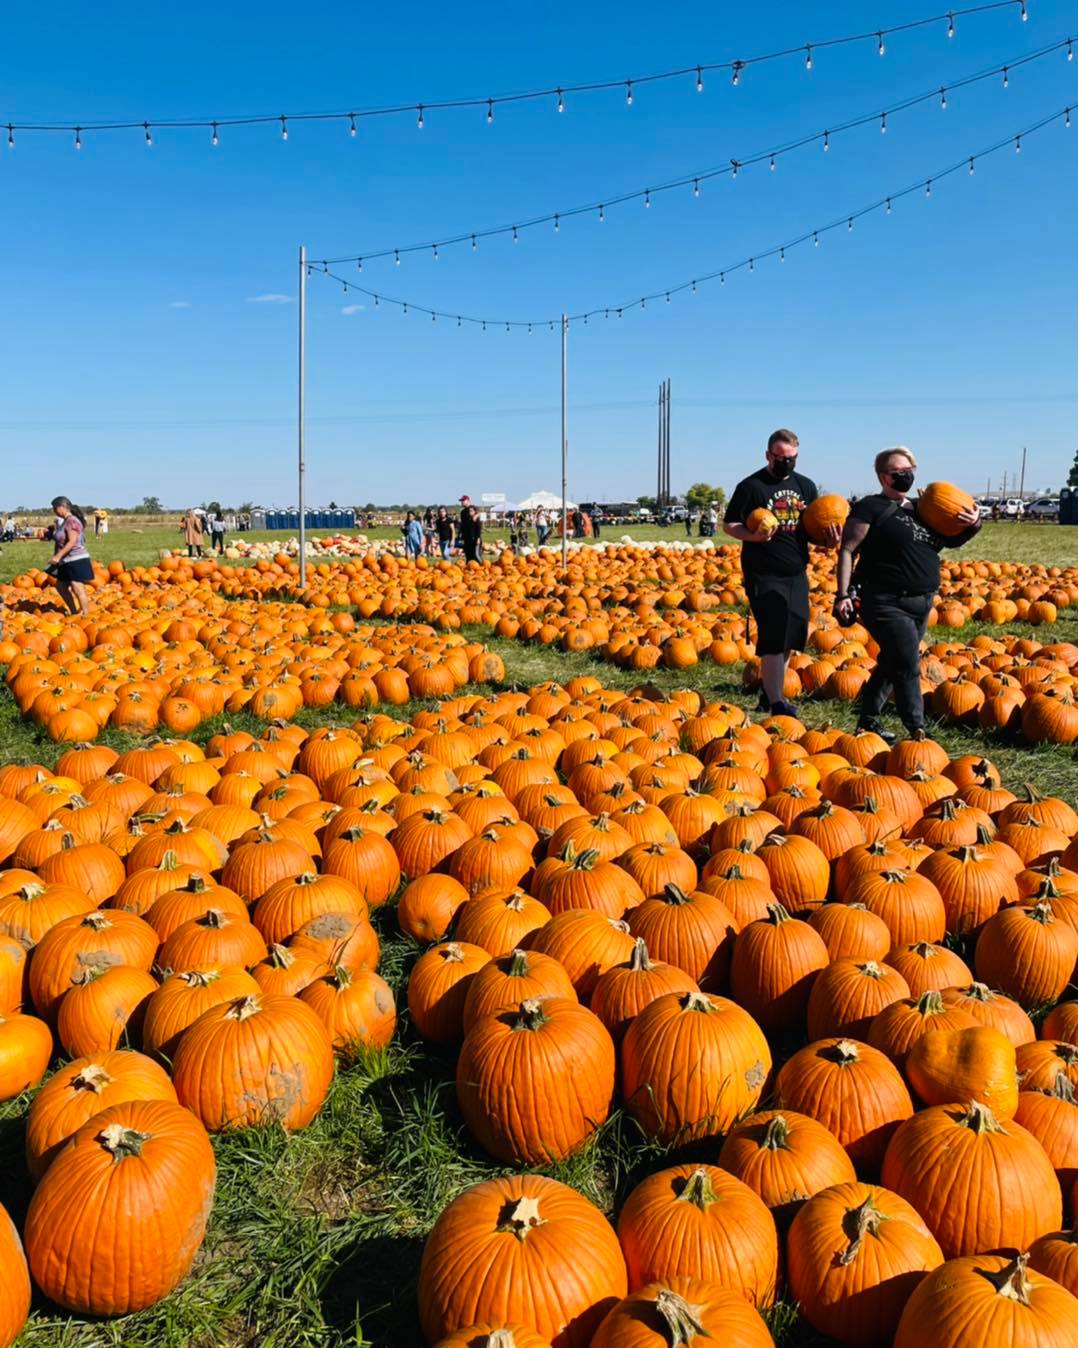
pixel 783 709
pixel 877 728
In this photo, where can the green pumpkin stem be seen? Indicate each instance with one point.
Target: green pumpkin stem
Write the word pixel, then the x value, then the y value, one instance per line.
pixel 639 960
pixel 698 1190
pixel 682 1320
pixel 122 1142
pixel 530 1015
pixel 776 1134
pixel 518 964
pixel 979 1119
pixel 857 1223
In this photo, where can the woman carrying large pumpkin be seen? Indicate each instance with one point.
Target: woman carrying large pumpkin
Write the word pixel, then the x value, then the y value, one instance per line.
pixel 897 542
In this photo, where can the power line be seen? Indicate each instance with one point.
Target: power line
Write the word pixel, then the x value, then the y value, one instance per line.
pixel 554 93
pixel 771 156
pixel 846 220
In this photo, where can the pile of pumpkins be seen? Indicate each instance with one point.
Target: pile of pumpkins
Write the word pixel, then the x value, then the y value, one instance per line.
pixel 809 954
pixel 137 667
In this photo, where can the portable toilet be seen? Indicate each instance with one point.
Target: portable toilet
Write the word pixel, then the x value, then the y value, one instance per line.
pixel 1068 505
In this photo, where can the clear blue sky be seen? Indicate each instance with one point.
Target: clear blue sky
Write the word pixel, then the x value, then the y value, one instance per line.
pixel 137 361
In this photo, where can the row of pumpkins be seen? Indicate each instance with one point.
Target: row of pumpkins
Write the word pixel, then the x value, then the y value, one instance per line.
pixel 643 895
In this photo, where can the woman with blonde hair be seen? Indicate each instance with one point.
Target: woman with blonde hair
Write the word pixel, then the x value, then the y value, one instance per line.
pixel 897 577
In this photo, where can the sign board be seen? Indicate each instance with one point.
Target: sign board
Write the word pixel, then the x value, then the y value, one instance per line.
pixel 493 497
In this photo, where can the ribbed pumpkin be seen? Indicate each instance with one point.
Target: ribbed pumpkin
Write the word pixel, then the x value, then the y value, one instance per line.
pixel 800 873
pixel 988 1299
pixel 693 931
pixel 995 1009
pixel 682 1311
pixel 574 879
pixel 521 1248
pixel 654 865
pixel 1056 1256
pixel 366 859
pixel 82 1089
pixel 974 1064
pixel 425 839
pixel 186 995
pixel 138 892
pixel 978 1182
pixel 972 885
pixel 901 1025
pixel 357 1008
pixel 1051 1115
pixel 853 1090
pixel 533 1084
pixel 438 987
pixel 25 1053
pixel 624 991
pixel 506 981
pixel 338 938
pixel 940 503
pixel 217 937
pixel 257 1060
pixel 785 1157
pixel 14 974
pixel 15 1287
pixel 927 967
pixel 746 896
pixel 428 906
pixel 499 921
pixel 92 868
pixel 692 1066
pixel 77 946
pixel 93 1230
pixel 190 901
pixel 855 1253
pixel 253 867
pixel 850 931
pixel 774 965
pixel 585 944
pixel 1061 1023
pixel 291 902
pixel 491 860
pixel 848 994
pixel 1041 1062
pixel 688 1221
pixel 286 971
pixel 906 901
pixel 103 1008
pixel 1027 953
pixel 831 827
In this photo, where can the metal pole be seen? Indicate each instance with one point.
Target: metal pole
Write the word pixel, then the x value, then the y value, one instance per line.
pixel 564 439
pixel 301 410
pixel 659 455
pixel 666 441
pixel 1022 484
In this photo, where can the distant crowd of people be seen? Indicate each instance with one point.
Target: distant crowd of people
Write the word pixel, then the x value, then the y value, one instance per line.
pixel 437 533
pixel 198 523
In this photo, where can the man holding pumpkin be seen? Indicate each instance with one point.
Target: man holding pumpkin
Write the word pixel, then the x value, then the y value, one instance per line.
pixel 764 515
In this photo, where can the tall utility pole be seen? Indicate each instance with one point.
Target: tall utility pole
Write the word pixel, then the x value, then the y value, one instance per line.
pixel 301 412
pixel 564 439
pixel 662 477
pixel 1022 482
pixel 666 479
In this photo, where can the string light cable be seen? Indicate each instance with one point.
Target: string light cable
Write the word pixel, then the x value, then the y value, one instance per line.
pixel 555 94
pixel 966 164
pixel 695 178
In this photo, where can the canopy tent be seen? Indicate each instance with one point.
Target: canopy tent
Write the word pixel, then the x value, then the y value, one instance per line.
pixel 545 499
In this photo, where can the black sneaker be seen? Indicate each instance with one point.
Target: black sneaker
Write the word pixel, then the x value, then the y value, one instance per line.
pixel 783 709
pixel 877 728
pixel 763 702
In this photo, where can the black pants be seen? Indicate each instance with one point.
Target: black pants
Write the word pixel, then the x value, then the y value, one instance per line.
pixel 897 624
pixel 471 549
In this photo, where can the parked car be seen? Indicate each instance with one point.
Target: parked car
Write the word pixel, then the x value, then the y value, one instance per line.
pixel 1013 507
pixel 1043 508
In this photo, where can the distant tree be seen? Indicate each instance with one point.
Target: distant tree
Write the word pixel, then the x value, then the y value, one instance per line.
pixel 213 506
pixel 151 505
pixel 647 502
pixel 1072 480
pixel 370 506
pixel 700 495
pixel 245 508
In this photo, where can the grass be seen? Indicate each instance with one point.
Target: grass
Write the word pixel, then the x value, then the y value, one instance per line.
pixel 316 1238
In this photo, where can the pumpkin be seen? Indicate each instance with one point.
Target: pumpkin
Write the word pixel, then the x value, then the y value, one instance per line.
pixel 899 1026
pixel 366 859
pixel 1051 1115
pixel 356 1007
pixel 682 1311
pixel 1056 1256
pixel 851 932
pixel 692 1066
pixel 425 839
pixel 973 1064
pixel 81 1089
pixel 217 937
pixel 79 946
pixel 292 901
pixel 693 931
pixel 853 1090
pixel 254 1061
pixel 521 1248
pixel 972 884
pixel 582 880
pixel 762 521
pixel 93 1229
pixel 1040 1062
pixel 785 1157
pixel 906 901
pixel 774 965
pixel 286 971
pixel 988 1299
pixel 855 1253
pixel 939 505
pixel 585 944
pixel 499 921
pixel 827 513
pixel 690 1220
pixel 505 982
pixel 993 1008
pixel 337 938
pixel 800 873
pixel 25 1052
pixel 848 994
pixel 192 901
pixel 1061 1023
pixel 1028 953
pixel 428 906
pixel 104 1008
pixel 183 997
pixel 927 967
pixel 623 992
pixel 978 1182
pixel 14 974
pixel 654 865
pixel 15 1287
pixel 438 987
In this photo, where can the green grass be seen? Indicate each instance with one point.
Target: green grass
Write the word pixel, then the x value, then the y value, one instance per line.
pixel 315 1238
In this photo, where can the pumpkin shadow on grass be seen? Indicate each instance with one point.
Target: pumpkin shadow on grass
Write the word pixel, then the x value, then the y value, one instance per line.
pixel 15 1189
pixel 373 1289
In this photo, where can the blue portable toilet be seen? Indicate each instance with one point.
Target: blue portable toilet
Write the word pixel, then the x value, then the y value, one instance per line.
pixel 1068 505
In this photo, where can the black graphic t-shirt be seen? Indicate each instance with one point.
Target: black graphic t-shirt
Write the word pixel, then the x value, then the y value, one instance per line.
pixel 786 554
pixel 902 553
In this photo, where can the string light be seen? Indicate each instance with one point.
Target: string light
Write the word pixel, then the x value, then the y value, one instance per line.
pixel 602 214
pixel 284 127
pixel 943 100
pixel 1018 144
pixel 880 48
pixel 808 57
pixel 735 77
pixel 435 247
pixel 516 236
pixel 490 111
pixel 647 197
pixel 149 138
pixel 734 167
pixel 10 137
pixel 557 225
pixel 826 141
pixel 749 263
pixel 1067 122
pixel 359 264
pixel 396 257
pixel 971 170
pixel 474 244
pixel 561 102
pixel 883 124
pixel 950 25
pixel 629 93
pixel 215 138
pixel 352 124
pixel 419 120
pixel 1070 50
pixel 696 187
pixel 699 80
pixel 773 165
pixel 1024 16
pixel 1006 78
pixel 78 138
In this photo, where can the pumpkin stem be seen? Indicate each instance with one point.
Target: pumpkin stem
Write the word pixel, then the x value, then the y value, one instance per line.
pixel 342 976
pixel 733 873
pixel 93 1077
pixel 1048 889
pixel 682 1320
pixel 244 1007
pixel 585 861
pixel 214 918
pixel 676 895
pixel 530 1015
pixel 745 845
pixel 776 1134
pixel 516 901
pixel 1032 796
pixel 122 1142
pixel 871 969
pixel 930 1003
pixel 777 914
pixel 1012 1281
pixel 280 957
pixel 452 953
pixel 697 1001
pixel 639 959
pixel 518 964
pixel 895 877
pixel 307 878
pixel 96 921
pixel 519 1216
pixel 984 837
pixel 698 1190
pixel 857 1223
pixel 498 1338
pixel 842 1051
pixel 1062 1088
pixel 1042 913
pixel 979 1119
pixel 199 978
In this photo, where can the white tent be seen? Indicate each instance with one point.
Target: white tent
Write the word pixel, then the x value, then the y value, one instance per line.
pixel 546 499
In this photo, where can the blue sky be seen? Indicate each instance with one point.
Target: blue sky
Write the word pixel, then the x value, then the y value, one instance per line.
pixel 139 358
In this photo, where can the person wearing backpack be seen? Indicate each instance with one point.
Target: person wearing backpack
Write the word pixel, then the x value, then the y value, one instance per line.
pixel 897 577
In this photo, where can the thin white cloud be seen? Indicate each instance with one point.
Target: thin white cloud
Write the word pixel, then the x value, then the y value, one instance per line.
pixel 180 304
pixel 350 309
pixel 269 299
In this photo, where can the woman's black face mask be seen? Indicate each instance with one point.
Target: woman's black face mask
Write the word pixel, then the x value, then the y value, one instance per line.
pixel 902 479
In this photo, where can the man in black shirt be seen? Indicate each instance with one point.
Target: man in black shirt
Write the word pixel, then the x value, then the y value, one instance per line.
pixel 775 563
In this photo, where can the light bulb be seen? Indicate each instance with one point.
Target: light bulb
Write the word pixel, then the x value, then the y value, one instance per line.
pixel 359 264
pixel 1018 144
pixel 458 320
pixel 647 197
pixel 826 141
pixel 880 47
pixel 396 257
pixel 943 99
pixel 735 78
pixel 815 239
pixel 1070 50
pixel 928 188
pixel 722 281
pixel 284 128
pixel 404 309
pixel 696 187
pixel 78 138
pixel 529 327
pixel 149 138
pixel 474 245
pixel 849 225
pixel 490 111
pixel 516 237
pixel 699 80
pixel 950 25
pixel 435 247
pixel 419 120
pixel 782 254
pixel 808 58
pixel 561 102
pixel 971 167
pixel 1024 16
pixel 668 297
pixel 10 136
pixel 1067 122
pixel 694 287
pixel 735 167
pixel 629 92
pixel 215 139
pixel 507 327
pixel 752 264
pixel 888 205
pixel 773 164
pixel 377 301
pixel 602 214
pixel 557 225
pixel 352 124
pixel 883 124
pixel 434 318
pixel 1006 78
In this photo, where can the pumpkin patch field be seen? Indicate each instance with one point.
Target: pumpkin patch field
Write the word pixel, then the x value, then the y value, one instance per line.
pixel 453 956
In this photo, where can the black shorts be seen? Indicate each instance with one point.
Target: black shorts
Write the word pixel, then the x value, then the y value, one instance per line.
pixel 78 572
pixel 780 605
